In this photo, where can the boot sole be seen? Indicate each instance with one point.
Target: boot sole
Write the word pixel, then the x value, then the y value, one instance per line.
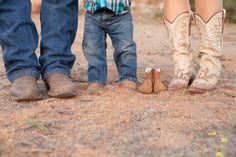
pixel 144 92
pixel 176 89
pixel 158 92
pixel 28 98
pixel 62 95
pixel 199 91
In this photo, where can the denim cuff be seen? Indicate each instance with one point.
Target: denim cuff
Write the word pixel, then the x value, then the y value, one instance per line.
pixel 99 82
pixel 21 73
pixel 129 79
pixel 54 71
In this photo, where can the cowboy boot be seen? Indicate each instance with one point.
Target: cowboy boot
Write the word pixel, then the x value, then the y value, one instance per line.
pixel 95 88
pixel 60 86
pixel 25 89
pixel 179 35
pixel 127 84
pixel 147 86
pixel 211 34
pixel 158 85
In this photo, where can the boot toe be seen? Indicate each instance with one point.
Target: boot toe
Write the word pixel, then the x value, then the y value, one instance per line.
pixel 146 88
pixel 25 95
pixel 95 88
pixel 177 87
pixel 62 92
pixel 128 85
pixel 145 91
pixel 200 89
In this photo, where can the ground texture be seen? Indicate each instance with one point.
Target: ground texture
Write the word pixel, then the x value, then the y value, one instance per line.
pixel 122 123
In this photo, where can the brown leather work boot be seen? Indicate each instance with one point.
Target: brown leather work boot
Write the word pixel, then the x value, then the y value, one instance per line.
pixel 60 86
pixel 158 85
pixel 147 86
pixel 95 88
pixel 25 89
pixel 128 85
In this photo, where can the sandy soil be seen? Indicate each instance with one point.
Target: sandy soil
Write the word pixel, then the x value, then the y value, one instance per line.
pixel 122 123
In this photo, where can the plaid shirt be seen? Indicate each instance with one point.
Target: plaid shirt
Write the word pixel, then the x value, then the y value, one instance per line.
pixel 116 6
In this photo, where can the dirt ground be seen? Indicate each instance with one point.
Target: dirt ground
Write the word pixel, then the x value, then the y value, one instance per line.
pixel 122 123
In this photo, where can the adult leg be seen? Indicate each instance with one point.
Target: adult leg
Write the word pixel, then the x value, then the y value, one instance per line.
pixel 19 40
pixel 177 21
pixel 59 25
pixel 207 8
pixel 174 8
pixel 209 21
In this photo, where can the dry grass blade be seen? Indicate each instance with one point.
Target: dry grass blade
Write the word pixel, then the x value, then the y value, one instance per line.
pixel 37 124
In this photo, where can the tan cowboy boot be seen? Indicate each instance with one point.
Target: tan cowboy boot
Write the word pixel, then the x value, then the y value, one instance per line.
pixel 25 89
pixel 158 85
pixel 211 33
pixel 95 88
pixel 60 86
pixel 179 35
pixel 147 86
pixel 128 85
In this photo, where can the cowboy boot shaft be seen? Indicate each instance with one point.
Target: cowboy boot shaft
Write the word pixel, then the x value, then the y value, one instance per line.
pixel 211 34
pixel 178 33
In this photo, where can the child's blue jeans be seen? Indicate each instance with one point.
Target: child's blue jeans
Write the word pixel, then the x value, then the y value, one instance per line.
pixel 120 29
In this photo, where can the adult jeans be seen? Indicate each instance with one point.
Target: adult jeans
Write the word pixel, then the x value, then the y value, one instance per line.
pixel 19 37
pixel 120 29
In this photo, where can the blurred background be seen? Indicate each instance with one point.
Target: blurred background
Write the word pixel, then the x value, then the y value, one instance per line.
pixel 229 5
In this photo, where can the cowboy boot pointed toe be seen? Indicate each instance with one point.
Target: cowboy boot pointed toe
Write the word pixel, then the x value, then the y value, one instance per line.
pixel 25 89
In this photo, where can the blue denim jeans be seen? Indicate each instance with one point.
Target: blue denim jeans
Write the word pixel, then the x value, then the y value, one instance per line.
pixel 120 29
pixel 19 37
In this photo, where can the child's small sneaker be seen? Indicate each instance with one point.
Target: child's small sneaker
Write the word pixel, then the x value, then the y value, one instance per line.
pixel 95 88
pixel 128 85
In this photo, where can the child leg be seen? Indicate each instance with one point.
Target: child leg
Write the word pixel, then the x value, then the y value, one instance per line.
pixel 121 32
pixel 94 48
